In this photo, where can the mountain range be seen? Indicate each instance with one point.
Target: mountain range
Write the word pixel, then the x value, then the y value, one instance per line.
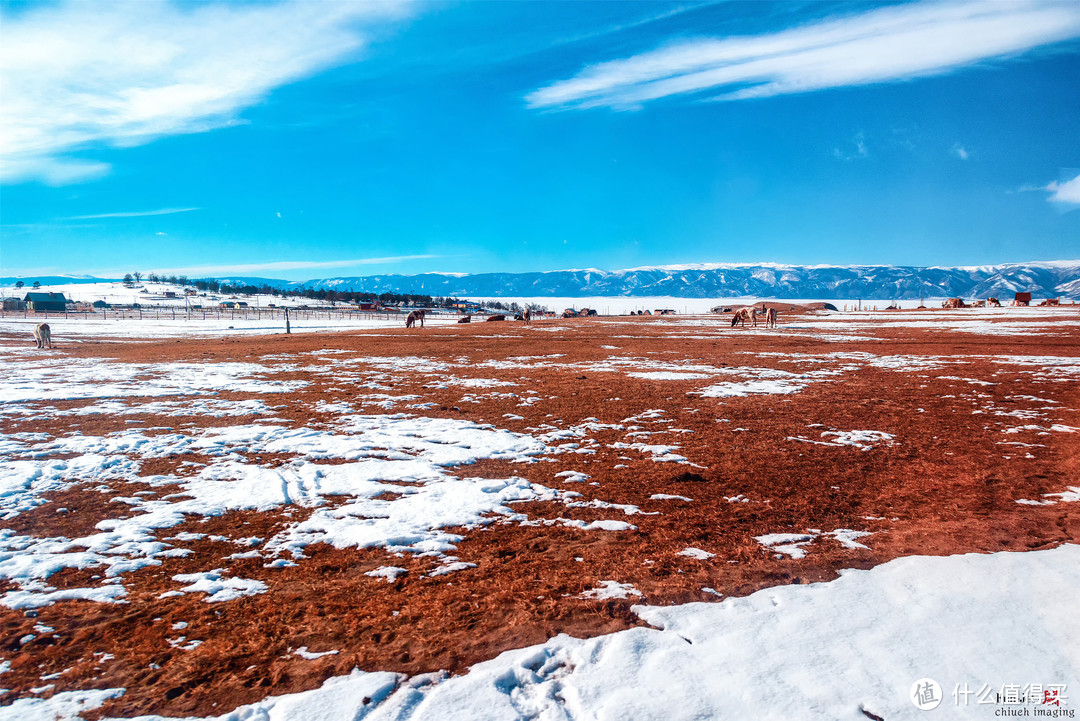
pixel 729 280
pixel 713 280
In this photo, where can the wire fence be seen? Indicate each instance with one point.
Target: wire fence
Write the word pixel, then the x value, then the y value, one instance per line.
pixel 212 314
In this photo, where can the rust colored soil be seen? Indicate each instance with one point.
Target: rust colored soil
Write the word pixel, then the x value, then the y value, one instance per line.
pixel 948 483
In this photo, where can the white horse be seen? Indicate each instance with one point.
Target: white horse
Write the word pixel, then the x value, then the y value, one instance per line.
pixel 742 315
pixel 412 317
pixel 770 317
pixel 43 335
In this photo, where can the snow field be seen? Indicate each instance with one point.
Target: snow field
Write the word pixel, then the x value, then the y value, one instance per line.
pixel 828 651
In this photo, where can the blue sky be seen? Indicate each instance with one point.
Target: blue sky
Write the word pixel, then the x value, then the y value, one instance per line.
pixel 302 140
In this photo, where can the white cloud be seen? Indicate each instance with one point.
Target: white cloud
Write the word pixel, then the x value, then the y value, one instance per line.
pixel 242 269
pixel 960 151
pixel 889 44
pixel 133 214
pixel 859 141
pixel 1067 192
pixel 79 75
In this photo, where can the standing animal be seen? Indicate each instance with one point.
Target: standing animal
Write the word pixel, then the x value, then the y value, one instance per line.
pixel 744 314
pixel 770 317
pixel 527 316
pixel 993 302
pixel 412 317
pixel 43 335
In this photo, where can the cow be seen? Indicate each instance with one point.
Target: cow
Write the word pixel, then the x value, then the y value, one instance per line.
pixel 466 319
pixel 416 315
pixel 744 314
pixel 43 335
pixel 497 316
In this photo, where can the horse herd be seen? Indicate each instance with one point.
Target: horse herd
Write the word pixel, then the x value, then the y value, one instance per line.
pixel 43 334
pixel 742 316
pixel 750 313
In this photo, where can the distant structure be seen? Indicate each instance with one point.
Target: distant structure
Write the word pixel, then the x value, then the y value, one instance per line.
pixel 45 302
pixel 1022 299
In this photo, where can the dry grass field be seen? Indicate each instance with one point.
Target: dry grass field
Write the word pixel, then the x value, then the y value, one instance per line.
pixel 208 522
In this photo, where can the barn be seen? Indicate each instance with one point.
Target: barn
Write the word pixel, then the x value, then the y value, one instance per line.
pixel 42 302
pixel 1022 299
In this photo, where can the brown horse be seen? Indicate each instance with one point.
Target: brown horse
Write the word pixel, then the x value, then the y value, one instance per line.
pixel 770 317
pixel 527 316
pixel 742 315
pixel 411 318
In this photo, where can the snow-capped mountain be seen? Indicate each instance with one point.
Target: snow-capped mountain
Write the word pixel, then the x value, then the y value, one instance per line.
pixel 720 280
pixel 1045 279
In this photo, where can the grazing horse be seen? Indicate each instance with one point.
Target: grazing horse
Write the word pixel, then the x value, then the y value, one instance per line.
pixel 744 314
pixel 527 316
pixel 770 317
pixel 43 335
pixel 412 317
pixel 993 302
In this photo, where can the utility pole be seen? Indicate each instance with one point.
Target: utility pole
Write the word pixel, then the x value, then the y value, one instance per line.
pixel 288 330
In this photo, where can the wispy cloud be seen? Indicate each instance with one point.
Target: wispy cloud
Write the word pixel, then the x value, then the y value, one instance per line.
pixel 960 151
pixel 286 265
pixel 79 75
pixel 1066 192
pixel 884 45
pixel 132 214
pixel 860 151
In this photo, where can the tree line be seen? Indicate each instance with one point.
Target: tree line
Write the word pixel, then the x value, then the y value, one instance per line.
pixel 214 285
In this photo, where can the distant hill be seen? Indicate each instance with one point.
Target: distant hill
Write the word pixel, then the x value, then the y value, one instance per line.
pixel 709 280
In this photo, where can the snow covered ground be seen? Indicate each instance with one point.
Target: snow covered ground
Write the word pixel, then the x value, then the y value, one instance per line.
pixel 150 327
pixel 146 293
pixel 847 649
pixel 985 631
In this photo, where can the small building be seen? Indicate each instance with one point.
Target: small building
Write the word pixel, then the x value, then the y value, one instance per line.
pixel 14 304
pixel 45 302
pixel 1022 299
pixel 170 294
